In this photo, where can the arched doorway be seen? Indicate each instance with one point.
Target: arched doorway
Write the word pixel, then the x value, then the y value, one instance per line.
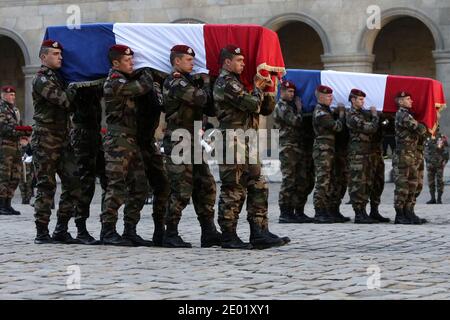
pixel 11 69
pixel 404 47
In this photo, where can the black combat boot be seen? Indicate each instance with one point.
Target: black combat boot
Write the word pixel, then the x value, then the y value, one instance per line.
pixel 375 214
pixel 261 240
pixel 60 235
pixel 11 209
pixel 83 236
pixel 361 217
pixel 439 198
pixel 158 233
pixel 3 208
pixel 400 217
pixel 230 240
pixel 411 215
pixel 265 228
pixel 287 215
pixel 210 236
pixel 301 216
pixel 337 216
pixel 433 198
pixel 172 239
pixel 129 233
pixel 42 234
pixel 109 236
pixel 322 216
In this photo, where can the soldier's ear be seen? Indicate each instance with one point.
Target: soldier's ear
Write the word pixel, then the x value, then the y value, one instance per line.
pixel 115 63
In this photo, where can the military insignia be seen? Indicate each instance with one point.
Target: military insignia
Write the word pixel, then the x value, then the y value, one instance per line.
pixel 183 83
pixel 55 44
pixel 122 80
pixel 189 51
pixel 115 76
pixel 403 94
pixel 236 86
pixel 320 113
pixel 43 79
pixel 127 51
pixel 237 50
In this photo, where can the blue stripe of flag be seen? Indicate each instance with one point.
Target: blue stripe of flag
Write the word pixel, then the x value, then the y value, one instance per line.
pixel 306 82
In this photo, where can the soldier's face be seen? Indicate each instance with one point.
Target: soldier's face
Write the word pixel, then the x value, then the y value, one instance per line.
pixel 325 99
pixel 9 97
pixel 236 64
pixel 406 102
pixel 125 64
pixel 358 102
pixel 53 58
pixel 185 64
pixel 288 94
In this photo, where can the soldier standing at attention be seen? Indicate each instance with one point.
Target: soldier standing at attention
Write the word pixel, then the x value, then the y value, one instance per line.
pixel 325 129
pixel 288 119
pixel 361 133
pixel 51 147
pixel 10 158
pixel 407 132
pixel 125 173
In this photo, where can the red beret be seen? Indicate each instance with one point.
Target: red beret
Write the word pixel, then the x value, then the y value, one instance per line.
pixel 358 93
pixel 122 49
pixel 288 85
pixel 181 48
pixel 403 94
pixel 231 48
pixel 8 89
pixel 52 44
pixel 324 89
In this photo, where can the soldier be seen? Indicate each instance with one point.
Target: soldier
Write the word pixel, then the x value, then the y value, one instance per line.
pixel 325 129
pixel 436 156
pixel 185 101
pixel 420 167
pixel 10 159
pixel 50 146
pixel 288 119
pixel 361 132
pixel 86 141
pixel 125 171
pixel 155 170
pixel 239 109
pixel 26 178
pixel 407 132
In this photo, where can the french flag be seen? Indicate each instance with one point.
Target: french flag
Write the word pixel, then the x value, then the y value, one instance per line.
pixel 85 55
pixel 427 94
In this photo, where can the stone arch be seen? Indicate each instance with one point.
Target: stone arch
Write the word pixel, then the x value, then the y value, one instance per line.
pixel 280 21
pixel 19 41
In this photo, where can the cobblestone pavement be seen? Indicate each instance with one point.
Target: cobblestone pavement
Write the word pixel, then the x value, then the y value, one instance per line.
pixel 338 261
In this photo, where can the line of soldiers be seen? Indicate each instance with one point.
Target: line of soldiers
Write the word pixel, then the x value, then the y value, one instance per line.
pixel 66 141
pixel 347 150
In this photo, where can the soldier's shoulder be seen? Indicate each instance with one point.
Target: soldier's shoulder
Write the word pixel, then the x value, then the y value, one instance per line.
pixel 115 76
pixel 319 112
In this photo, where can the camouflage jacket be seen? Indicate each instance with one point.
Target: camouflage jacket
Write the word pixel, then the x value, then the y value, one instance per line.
pixel 325 126
pixel 235 106
pixel 407 131
pixel 185 100
pixel 436 150
pixel 51 100
pixel 361 130
pixel 8 122
pixel 120 92
pixel 87 110
pixel 288 120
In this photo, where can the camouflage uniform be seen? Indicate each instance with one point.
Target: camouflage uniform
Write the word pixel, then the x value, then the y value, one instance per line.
pixel 185 101
pixel 407 132
pixel 125 171
pixel 306 173
pixel 26 178
pixel 51 149
pixel 238 109
pixel 325 129
pixel 10 159
pixel 436 157
pixel 420 164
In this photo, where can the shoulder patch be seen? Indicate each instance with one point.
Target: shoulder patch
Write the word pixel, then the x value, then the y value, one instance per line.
pixel 320 113
pixel 183 83
pixel 43 79
pixel 115 76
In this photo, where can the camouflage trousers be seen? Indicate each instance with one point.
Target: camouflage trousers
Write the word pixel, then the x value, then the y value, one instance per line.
pixel 90 160
pixel 339 179
pixel 26 181
pixel 306 176
pixel 158 180
pixel 405 177
pixel 323 167
pixel 435 178
pixel 53 155
pixel 126 180
pixel 376 177
pixel 420 163
pixel 10 167
pixel 291 170
pixel 360 181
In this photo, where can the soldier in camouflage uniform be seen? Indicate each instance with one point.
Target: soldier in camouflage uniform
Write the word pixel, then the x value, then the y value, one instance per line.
pixel 185 101
pixel 436 157
pixel 125 171
pixel 361 133
pixel 407 132
pixel 288 119
pixel 325 129
pixel 239 109
pixel 50 145
pixel 155 170
pixel 10 159
pixel 420 165
pixel 26 178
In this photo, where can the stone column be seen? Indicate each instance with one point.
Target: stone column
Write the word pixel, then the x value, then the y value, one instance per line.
pixel 29 71
pixel 442 59
pixel 357 62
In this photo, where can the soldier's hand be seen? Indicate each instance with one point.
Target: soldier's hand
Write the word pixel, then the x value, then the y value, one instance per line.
pixel 260 83
pixel 206 79
pixel 373 111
